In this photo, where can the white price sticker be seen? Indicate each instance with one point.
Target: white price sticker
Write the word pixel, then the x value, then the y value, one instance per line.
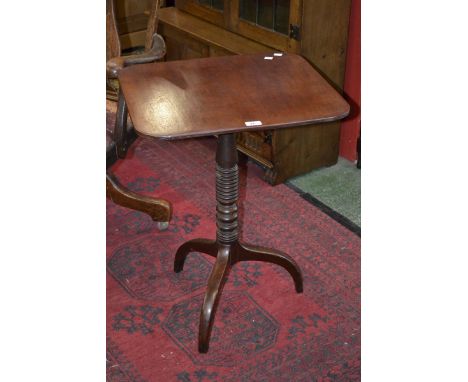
pixel 268 58
pixel 277 54
pixel 253 123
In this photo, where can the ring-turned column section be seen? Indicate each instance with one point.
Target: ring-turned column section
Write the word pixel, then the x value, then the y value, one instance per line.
pixel 227 190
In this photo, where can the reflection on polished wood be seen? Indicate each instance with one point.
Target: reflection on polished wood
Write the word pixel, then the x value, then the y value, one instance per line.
pixel 218 95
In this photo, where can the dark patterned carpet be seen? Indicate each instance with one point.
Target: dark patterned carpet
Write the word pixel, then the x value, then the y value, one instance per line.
pixel 263 330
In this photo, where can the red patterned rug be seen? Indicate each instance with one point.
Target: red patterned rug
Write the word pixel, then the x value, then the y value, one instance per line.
pixel 263 330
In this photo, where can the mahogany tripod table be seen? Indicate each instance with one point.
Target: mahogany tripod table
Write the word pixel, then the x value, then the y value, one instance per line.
pixel 222 96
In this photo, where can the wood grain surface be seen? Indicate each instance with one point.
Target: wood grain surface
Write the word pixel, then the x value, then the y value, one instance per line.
pixel 181 99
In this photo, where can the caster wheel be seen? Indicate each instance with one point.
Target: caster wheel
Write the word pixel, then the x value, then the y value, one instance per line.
pixel 162 226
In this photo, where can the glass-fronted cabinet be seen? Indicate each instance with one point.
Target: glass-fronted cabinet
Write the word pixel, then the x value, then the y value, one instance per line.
pixel 272 22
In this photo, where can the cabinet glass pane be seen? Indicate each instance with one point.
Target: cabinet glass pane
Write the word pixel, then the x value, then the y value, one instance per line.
pixel 216 4
pixel 282 16
pixel 265 13
pixel 248 10
pixel 271 14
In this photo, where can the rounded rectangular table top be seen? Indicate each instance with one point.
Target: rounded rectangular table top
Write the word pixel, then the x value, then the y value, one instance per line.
pixel 189 98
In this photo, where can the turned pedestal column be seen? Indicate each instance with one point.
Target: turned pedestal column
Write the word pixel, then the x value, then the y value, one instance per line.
pixel 226 248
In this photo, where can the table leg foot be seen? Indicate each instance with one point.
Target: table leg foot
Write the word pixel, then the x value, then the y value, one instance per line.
pixel 254 253
pixel 196 245
pixel 215 286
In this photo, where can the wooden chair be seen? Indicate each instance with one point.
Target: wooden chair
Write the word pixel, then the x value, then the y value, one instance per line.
pixel 121 135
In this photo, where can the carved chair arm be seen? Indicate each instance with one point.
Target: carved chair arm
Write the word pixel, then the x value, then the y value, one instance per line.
pixel 157 51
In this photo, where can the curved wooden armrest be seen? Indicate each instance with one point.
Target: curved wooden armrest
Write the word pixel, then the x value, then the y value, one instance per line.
pixel 157 51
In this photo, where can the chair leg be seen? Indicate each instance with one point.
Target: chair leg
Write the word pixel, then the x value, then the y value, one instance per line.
pixel 122 137
pixel 159 210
